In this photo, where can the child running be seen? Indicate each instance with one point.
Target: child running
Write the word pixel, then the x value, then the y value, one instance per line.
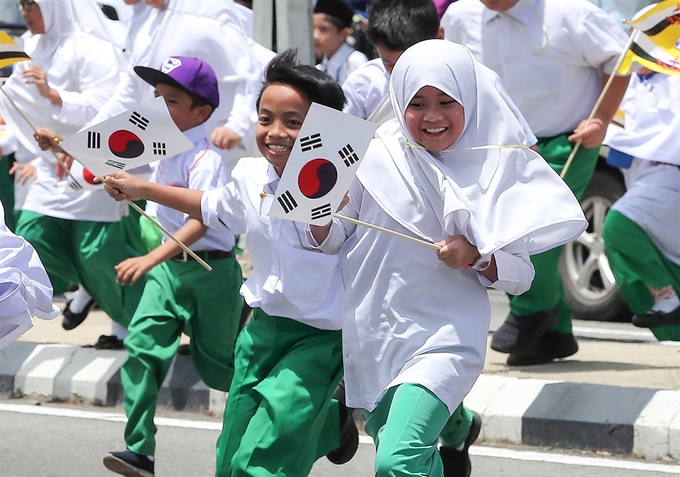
pixel 450 169
pixel 280 417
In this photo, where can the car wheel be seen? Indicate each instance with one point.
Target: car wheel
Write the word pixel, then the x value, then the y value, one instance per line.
pixel 589 283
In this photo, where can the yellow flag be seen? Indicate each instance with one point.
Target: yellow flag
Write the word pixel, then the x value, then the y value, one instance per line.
pixel 644 52
pixel 10 52
pixel 661 23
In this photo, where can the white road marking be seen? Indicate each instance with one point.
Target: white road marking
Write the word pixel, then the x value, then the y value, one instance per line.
pixel 482 451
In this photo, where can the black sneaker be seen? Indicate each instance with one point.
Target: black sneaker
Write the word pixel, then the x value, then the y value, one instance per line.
pixel 109 342
pixel 349 434
pixel 184 350
pixel 654 319
pixel 129 464
pixel 73 320
pixel 457 462
pixel 521 333
pixel 552 345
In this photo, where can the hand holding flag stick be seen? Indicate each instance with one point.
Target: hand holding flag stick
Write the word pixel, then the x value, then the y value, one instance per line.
pixel 57 143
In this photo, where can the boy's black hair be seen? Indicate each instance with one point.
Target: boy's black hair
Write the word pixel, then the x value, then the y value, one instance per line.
pixel 313 84
pixel 335 21
pixel 399 24
pixel 198 101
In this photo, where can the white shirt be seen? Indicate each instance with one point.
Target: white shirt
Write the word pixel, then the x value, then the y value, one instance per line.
pixel 555 89
pixel 25 289
pixel 288 279
pixel 342 63
pixel 200 168
pixel 406 304
pixel 368 86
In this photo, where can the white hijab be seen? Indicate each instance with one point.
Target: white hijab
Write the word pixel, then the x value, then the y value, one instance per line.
pixel 486 186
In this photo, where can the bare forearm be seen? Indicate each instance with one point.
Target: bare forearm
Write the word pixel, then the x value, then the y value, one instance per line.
pixel 178 198
pixel 612 98
pixel 192 231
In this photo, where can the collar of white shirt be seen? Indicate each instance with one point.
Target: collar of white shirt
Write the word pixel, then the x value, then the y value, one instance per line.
pixel 520 11
pixel 334 64
pixel 196 133
pixel 272 179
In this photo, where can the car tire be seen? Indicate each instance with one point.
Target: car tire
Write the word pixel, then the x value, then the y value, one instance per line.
pixel 588 281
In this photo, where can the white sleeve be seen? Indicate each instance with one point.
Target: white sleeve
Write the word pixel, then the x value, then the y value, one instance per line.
pixel 515 270
pixel 128 94
pixel 222 209
pixel 25 289
pixel 531 138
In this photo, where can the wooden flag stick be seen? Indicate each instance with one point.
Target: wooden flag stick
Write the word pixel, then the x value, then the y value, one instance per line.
pixel 598 102
pixel 130 203
pixel 388 231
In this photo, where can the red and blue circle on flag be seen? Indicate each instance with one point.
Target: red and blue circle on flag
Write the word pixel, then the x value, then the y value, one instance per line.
pixel 317 178
pixel 126 144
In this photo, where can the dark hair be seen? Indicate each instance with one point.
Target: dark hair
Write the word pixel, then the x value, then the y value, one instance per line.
pixel 399 24
pixel 198 101
pixel 313 84
pixel 335 21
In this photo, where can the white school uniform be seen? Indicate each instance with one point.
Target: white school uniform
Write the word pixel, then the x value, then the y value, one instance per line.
pixel 288 279
pixel 25 290
pixel 200 168
pixel 651 108
pixel 367 93
pixel 408 317
pixel 342 63
pixel 551 55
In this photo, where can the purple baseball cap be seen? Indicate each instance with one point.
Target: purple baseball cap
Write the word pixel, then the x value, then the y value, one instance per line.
pixel 191 74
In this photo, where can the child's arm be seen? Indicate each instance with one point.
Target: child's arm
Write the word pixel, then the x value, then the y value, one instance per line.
pixel 125 186
pixel 132 269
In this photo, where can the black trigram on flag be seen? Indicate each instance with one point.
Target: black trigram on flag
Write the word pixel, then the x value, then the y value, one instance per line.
pixel 321 211
pixel 116 164
pixel 75 185
pixel 311 142
pixel 94 140
pixel 138 120
pixel 287 201
pixel 348 155
pixel 159 149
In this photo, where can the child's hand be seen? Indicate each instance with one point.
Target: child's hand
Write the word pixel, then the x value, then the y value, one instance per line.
pixel 23 173
pixel 63 166
pixel 132 269
pixel 457 252
pixel 45 138
pixel 124 186
pixel 591 135
pixel 38 77
pixel 224 138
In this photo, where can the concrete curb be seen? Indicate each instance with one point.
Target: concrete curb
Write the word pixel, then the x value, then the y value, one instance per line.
pixel 622 420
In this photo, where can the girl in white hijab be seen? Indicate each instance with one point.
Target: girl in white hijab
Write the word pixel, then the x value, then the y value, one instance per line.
pixel 450 169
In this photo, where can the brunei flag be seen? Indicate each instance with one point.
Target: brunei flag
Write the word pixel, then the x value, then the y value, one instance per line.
pixel 646 53
pixel 131 139
pixel 322 163
pixel 661 23
pixel 10 52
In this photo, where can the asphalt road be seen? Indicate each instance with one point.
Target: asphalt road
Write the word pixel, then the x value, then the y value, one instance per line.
pixel 71 441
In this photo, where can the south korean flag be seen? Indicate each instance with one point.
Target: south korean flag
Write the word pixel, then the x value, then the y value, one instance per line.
pixel 321 165
pixel 132 139
pixel 79 180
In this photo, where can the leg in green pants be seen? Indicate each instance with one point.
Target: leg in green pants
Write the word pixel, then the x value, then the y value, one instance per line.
pixel 638 264
pixel 178 297
pixel 280 417
pixel 405 427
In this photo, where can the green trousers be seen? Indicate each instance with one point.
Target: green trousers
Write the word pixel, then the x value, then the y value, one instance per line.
pixel 131 229
pixel 637 265
pixel 280 415
pixel 405 427
pixel 178 297
pixel 7 191
pixel 546 291
pixel 83 252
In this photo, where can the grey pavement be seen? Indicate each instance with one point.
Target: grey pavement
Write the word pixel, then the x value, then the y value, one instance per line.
pixel 619 394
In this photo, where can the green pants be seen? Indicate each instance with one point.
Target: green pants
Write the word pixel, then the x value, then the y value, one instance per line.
pixel 546 291
pixel 405 427
pixel 131 229
pixel 178 297
pixel 7 191
pixel 84 252
pixel 280 417
pixel 638 264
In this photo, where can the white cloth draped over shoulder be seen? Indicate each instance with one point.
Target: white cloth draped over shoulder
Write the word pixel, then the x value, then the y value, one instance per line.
pixel 494 195
pixel 25 290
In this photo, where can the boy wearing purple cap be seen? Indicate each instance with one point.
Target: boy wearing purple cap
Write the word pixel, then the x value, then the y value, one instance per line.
pixel 180 295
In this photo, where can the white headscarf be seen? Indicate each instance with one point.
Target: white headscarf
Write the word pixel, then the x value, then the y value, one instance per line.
pixel 493 195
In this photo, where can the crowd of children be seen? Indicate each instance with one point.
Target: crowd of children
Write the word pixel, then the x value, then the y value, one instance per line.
pixel 454 163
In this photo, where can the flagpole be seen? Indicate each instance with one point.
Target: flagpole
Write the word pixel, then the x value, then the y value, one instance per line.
pixel 388 231
pixel 631 38
pixel 130 203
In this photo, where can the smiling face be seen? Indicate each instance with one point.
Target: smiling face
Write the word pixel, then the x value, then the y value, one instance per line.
pixel 282 111
pixel 180 106
pixel 32 16
pixel 434 119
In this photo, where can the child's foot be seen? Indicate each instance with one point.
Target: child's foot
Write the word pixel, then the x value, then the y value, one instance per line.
pixel 457 462
pixel 129 464
pixel 349 434
pixel 71 319
pixel 109 342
